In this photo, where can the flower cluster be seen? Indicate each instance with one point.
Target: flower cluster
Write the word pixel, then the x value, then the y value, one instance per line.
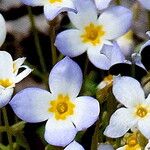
pixel 68 107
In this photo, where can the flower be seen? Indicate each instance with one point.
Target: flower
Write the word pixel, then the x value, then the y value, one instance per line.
pixel 92 32
pixel 52 7
pixel 132 142
pixel 74 146
pixel 66 113
pixel 2 30
pixel 136 112
pixel 9 75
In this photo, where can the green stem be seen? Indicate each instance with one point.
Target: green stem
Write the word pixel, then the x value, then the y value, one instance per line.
pixel 53 48
pixel 7 128
pixel 118 2
pixel 36 40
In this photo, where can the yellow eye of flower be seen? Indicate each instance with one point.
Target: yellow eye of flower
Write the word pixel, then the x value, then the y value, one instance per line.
pixel 93 34
pixel 62 107
pixel 108 79
pixel 5 82
pixel 141 111
pixel 132 143
pixel 55 1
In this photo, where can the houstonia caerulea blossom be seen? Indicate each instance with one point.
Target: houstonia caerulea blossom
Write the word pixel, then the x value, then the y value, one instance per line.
pixel 132 142
pixel 2 30
pixel 74 146
pixel 92 32
pixel 52 7
pixel 66 113
pixel 9 75
pixel 136 112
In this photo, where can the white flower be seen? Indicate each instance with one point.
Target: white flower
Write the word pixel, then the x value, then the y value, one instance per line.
pixel 66 113
pixel 74 146
pixel 136 112
pixel 132 142
pixel 92 32
pixel 52 7
pixel 2 30
pixel 9 75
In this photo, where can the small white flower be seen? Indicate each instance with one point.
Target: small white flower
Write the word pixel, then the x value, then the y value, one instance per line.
pixel 2 30
pixel 74 146
pixel 66 113
pixel 136 112
pixel 9 75
pixel 91 31
pixel 52 7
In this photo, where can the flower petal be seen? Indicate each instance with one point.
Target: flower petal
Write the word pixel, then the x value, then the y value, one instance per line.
pixel 105 147
pixel 5 96
pixel 17 64
pixel 32 104
pixel 114 17
pixel 113 53
pixel 2 30
pixel 34 2
pixel 52 10
pixel 66 78
pixel 23 74
pixel 143 126
pixel 59 132
pixel 84 116
pixel 6 65
pixel 128 91
pixel 102 4
pixel 84 16
pixel 74 146
pixel 120 122
pixel 97 59
pixel 69 43
pixel 145 4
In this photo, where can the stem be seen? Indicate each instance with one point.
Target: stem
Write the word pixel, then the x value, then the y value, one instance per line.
pixel 7 128
pixel 118 2
pixel 52 40
pixel 86 66
pixel 36 40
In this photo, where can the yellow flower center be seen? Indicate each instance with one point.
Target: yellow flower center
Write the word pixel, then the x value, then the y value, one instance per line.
pixel 108 80
pixel 5 82
pixel 62 107
pixel 55 1
pixel 132 143
pixel 141 111
pixel 93 34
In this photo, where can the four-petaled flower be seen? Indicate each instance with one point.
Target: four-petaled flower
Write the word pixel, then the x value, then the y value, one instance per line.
pixel 52 7
pixel 66 113
pixel 136 112
pixel 92 32
pixel 9 75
